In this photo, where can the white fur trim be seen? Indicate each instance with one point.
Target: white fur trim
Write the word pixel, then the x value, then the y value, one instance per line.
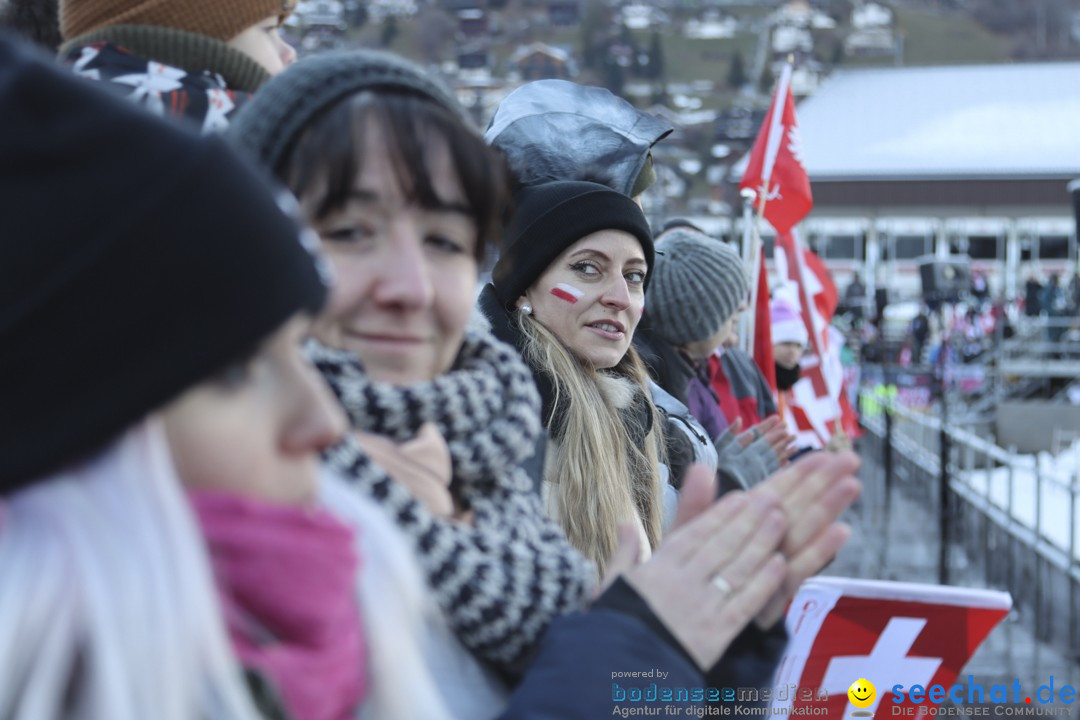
pixel 618 392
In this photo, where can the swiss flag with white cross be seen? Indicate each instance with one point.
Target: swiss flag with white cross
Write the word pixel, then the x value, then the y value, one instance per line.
pixel 818 404
pixel 844 630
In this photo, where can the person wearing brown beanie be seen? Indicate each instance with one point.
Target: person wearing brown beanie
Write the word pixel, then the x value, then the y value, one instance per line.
pixel 197 59
pixel 35 20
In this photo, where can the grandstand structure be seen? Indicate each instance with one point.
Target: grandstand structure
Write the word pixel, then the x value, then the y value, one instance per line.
pixel 971 160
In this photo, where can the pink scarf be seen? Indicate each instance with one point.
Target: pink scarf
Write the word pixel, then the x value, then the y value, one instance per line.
pixel 287 579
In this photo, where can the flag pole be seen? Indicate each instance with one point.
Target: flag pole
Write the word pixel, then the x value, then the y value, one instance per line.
pixel 757 247
pixel 775 132
pixel 755 244
pixel 750 249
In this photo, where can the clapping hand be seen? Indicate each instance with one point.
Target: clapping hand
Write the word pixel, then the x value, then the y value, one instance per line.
pixel 813 493
pixel 715 571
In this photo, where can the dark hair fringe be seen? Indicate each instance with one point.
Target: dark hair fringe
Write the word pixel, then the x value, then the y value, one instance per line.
pixel 330 147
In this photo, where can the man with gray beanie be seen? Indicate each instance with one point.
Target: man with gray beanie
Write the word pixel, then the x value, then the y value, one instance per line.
pixel 698 286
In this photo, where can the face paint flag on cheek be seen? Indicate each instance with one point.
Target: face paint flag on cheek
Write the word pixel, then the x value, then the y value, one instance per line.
pixel 569 293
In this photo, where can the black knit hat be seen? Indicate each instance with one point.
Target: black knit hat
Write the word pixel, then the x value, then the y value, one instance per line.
pixel 269 124
pixel 551 217
pixel 137 260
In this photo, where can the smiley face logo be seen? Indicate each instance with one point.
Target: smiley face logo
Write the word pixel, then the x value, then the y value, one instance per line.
pixel 862 693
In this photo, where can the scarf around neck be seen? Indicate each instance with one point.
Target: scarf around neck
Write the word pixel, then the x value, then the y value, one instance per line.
pixel 786 377
pixel 287 579
pixel 501 580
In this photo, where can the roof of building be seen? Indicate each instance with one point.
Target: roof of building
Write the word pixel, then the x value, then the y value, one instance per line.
pixel 980 121
pixel 538 47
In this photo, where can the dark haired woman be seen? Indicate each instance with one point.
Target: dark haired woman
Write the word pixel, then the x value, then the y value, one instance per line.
pixel 405 197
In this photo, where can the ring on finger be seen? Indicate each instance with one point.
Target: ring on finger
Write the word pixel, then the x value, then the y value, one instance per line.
pixel 722 585
pixel 757 433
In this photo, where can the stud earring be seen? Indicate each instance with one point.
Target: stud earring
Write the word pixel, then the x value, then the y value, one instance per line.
pixel 525 309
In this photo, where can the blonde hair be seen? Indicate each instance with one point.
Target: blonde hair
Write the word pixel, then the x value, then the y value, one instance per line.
pixel 107 601
pixel 600 475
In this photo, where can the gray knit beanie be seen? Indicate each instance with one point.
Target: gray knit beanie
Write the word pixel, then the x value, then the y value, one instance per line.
pixel 697 284
pixel 269 123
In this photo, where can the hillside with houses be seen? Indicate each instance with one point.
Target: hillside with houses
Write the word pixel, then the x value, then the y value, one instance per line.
pixel 707 66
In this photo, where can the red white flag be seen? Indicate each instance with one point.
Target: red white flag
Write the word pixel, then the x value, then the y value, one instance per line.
pixel 775 170
pixel 845 630
pixel 819 405
pixel 762 340
pixel 776 173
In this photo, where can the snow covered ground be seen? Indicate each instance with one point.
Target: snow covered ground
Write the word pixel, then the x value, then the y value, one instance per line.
pixel 1033 495
pixel 1039 492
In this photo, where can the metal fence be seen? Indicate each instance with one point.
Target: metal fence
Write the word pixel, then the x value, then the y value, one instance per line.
pixel 1042 348
pixel 1004 521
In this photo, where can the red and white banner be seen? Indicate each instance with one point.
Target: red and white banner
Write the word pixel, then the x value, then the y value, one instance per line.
pixel 761 342
pixel 775 170
pixel 844 630
pixel 776 174
pixel 819 406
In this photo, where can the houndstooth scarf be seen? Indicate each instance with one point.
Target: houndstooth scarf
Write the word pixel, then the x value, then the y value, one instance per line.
pixel 503 579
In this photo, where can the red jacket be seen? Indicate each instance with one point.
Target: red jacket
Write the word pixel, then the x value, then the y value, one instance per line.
pixel 741 387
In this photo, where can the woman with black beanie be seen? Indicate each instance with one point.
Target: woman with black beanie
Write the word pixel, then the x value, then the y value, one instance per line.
pixel 552 130
pixel 405 197
pixel 568 291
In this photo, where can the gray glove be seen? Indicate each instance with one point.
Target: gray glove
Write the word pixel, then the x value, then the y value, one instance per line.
pixel 749 465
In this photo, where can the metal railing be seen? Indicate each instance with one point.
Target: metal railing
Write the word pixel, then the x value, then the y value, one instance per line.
pixel 1015 522
pixel 1045 347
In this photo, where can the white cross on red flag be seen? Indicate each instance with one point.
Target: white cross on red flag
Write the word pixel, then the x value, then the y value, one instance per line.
pixel 819 404
pixel 888 633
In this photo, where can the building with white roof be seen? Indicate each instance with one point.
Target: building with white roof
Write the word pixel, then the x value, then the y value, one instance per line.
pixel 1011 122
pixel 975 158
